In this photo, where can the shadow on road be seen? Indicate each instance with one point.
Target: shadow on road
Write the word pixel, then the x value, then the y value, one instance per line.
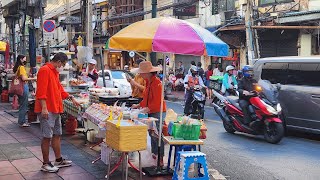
pixel 299 134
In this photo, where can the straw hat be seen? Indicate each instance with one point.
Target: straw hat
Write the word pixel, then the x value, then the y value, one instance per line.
pixel 146 67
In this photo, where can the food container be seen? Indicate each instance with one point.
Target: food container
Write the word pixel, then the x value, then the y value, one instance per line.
pixel 128 137
pixel 186 132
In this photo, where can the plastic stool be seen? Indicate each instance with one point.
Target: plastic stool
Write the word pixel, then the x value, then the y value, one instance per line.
pixel 187 158
pixel 182 148
pixel 178 148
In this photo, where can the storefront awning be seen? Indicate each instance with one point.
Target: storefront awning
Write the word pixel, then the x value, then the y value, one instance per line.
pixel 240 27
pixel 303 16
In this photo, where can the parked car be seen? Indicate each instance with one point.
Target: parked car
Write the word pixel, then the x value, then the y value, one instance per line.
pixel 116 79
pixel 299 83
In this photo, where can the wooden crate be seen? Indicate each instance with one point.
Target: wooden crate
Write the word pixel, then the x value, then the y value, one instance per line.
pixel 128 137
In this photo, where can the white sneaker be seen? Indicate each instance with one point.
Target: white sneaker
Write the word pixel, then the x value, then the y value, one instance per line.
pixel 49 168
pixel 63 163
pixel 25 125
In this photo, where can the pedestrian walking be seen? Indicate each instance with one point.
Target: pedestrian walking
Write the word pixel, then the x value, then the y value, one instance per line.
pixel 20 70
pixel 180 70
pixel 208 74
pixel 192 64
pixel 49 96
pixel 201 72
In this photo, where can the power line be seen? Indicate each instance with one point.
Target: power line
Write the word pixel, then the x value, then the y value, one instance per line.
pixel 141 13
pixel 57 8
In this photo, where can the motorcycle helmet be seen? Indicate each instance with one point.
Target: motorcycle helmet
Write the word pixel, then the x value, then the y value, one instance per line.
pixel 229 68
pixel 247 71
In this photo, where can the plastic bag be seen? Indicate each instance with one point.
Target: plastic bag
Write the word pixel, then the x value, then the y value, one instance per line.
pixel 84 54
pixel 170 116
pixel 147 160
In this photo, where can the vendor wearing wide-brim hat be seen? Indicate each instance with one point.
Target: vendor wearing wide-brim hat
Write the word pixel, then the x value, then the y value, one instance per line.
pixel 152 97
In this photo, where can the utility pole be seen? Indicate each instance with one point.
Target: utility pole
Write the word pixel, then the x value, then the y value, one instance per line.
pixel 89 24
pixel 154 8
pixel 69 30
pixel 41 26
pixel 249 33
pixel 14 39
pixel 84 19
pixel 23 46
pixel 153 55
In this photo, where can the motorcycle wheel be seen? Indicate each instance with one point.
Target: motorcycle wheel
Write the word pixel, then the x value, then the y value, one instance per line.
pixel 274 132
pixel 228 127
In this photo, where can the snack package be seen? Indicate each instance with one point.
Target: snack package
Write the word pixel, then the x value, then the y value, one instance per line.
pixel 170 116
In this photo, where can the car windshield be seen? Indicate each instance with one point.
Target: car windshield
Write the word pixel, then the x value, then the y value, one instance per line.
pixel 118 75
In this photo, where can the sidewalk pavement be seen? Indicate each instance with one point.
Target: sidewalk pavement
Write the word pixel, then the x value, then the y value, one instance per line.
pixel 21 157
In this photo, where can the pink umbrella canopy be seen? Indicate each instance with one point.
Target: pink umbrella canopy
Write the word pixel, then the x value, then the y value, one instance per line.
pixel 168 35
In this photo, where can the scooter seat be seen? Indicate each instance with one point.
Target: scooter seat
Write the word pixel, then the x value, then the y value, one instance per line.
pixel 234 100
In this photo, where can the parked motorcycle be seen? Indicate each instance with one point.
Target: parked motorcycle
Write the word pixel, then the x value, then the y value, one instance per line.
pixel 198 102
pixel 264 110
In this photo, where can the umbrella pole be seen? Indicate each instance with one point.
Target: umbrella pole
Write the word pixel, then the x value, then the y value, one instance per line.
pixel 158 171
pixel 161 112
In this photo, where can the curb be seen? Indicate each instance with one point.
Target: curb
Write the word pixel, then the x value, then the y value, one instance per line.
pixel 216 175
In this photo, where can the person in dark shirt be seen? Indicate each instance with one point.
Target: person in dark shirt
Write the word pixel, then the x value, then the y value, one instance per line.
pixel 201 71
pixel 245 87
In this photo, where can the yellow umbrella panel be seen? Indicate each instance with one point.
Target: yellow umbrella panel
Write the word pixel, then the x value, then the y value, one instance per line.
pixel 136 37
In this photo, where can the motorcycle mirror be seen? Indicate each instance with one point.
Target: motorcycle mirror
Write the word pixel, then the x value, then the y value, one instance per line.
pixel 278 86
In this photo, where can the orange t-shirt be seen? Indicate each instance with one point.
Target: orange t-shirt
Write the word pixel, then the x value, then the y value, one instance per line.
pixel 49 89
pixel 136 92
pixel 152 96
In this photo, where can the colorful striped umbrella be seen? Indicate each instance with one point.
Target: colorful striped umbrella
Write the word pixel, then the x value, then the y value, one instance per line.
pixel 168 35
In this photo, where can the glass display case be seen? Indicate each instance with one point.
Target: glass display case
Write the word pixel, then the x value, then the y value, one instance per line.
pixel 64 78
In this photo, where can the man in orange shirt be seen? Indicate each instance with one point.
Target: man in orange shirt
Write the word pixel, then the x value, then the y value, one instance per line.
pixel 49 96
pixel 152 97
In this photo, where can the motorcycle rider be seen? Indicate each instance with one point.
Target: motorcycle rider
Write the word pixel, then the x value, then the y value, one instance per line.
pixel 246 86
pixel 190 81
pixel 229 82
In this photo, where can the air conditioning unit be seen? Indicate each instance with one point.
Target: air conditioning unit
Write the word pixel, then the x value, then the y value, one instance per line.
pixel 227 15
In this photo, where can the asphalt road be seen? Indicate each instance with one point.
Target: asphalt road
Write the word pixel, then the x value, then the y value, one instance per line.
pixel 246 157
